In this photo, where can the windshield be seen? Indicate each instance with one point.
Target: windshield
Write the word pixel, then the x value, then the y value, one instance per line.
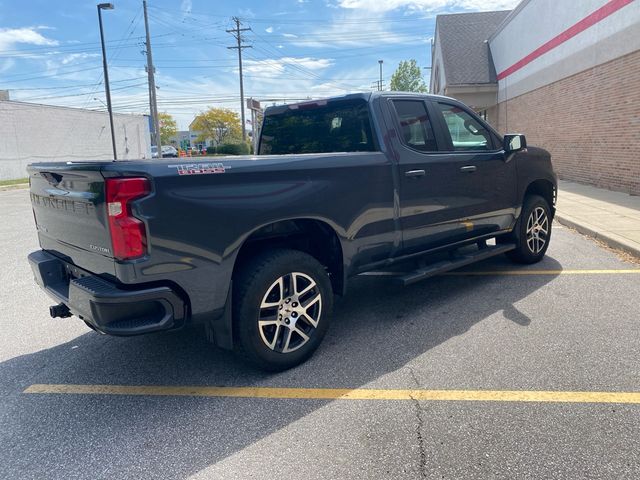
pixel 338 126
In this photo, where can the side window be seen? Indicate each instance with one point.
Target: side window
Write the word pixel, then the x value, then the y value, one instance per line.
pixel 467 134
pixel 415 127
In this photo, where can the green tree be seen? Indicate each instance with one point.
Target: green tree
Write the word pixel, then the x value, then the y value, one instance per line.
pixel 168 128
pixel 220 124
pixel 408 78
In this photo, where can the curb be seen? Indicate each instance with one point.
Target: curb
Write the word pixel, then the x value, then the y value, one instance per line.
pixel 610 239
pixel 17 186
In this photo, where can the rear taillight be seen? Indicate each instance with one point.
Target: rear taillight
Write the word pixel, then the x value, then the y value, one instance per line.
pixel 128 234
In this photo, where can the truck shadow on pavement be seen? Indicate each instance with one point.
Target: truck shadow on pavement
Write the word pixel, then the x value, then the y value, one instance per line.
pixel 377 329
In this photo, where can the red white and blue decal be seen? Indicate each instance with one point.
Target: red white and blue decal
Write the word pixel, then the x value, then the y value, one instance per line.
pixel 200 168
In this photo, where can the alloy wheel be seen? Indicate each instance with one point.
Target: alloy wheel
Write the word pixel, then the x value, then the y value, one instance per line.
pixel 289 312
pixel 537 230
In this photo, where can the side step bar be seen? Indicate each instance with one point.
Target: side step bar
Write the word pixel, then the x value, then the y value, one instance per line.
pixel 456 261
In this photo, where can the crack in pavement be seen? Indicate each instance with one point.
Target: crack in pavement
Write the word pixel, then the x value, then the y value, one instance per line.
pixel 419 427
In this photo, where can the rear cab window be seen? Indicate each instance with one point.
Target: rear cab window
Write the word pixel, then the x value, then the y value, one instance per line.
pixel 335 126
pixel 416 130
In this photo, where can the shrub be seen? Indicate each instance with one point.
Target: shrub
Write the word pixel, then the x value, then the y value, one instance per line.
pixel 211 150
pixel 233 149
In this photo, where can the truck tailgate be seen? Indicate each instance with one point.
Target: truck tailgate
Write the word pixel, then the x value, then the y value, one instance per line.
pixel 70 214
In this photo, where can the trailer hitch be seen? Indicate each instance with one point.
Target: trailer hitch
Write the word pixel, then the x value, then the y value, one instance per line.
pixel 60 310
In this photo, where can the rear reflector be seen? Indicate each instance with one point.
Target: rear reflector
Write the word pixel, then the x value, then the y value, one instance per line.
pixel 128 234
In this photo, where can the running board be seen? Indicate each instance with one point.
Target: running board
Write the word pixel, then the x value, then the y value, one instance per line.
pixel 455 262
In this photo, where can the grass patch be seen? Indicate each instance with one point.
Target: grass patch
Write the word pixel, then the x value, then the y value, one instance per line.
pixel 17 181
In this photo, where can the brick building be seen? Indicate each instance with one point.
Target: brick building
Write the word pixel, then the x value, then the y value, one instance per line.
pixel 567 74
pixel 31 132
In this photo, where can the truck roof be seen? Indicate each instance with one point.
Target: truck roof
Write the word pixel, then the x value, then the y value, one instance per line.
pixel 366 96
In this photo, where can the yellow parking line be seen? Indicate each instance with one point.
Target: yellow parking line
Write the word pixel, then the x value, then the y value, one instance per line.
pixel 545 272
pixel 341 393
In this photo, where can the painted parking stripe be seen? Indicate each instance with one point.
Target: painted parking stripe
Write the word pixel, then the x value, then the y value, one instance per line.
pixel 546 272
pixel 340 393
pixel 461 273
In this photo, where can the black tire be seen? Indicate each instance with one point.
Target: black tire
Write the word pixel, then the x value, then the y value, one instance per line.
pixel 531 247
pixel 265 345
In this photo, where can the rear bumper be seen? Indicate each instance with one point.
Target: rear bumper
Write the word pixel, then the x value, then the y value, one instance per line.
pixel 106 306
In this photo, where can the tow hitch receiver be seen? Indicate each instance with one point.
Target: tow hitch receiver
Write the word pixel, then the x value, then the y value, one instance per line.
pixel 60 310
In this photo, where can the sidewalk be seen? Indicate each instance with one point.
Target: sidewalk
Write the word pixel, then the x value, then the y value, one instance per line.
pixel 611 217
pixel 16 186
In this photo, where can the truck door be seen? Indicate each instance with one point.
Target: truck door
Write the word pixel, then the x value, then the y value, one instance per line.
pixel 432 196
pixel 486 176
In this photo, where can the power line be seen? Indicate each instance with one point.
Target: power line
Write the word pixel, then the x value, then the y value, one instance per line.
pixel 53 75
pixel 296 66
pixel 126 87
pixel 72 87
pixel 296 21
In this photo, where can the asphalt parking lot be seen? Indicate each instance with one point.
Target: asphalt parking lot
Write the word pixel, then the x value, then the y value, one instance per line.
pixel 540 343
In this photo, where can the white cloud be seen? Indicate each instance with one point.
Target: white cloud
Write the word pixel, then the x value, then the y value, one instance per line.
pixel 426 5
pixel 76 56
pixel 7 65
pixel 26 35
pixel 289 35
pixel 185 6
pixel 274 67
pixel 269 29
pixel 358 34
pixel 246 12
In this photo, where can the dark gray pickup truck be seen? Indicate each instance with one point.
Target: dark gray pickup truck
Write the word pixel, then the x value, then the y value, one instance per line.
pixel 255 247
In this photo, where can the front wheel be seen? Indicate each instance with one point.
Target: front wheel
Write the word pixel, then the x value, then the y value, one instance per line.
pixel 532 232
pixel 282 308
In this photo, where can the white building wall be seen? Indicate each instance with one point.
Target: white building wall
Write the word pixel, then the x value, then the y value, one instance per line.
pixel 535 22
pixel 42 133
pixel 437 70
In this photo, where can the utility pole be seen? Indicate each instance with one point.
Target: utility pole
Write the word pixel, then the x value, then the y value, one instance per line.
pixel 153 102
pixel 107 6
pixel 380 84
pixel 237 33
pixel 377 85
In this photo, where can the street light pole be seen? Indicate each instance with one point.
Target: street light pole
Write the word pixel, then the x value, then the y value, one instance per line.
pixel 107 6
pixel 380 62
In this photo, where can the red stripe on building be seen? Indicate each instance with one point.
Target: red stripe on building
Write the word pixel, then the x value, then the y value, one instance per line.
pixel 603 12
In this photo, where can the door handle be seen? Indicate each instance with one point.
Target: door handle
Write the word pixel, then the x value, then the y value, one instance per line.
pixel 414 173
pixel 468 169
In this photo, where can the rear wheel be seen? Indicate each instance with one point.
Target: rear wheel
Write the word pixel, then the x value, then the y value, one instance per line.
pixel 532 232
pixel 282 307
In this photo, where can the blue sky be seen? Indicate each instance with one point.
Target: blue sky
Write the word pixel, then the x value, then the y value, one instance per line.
pixel 50 52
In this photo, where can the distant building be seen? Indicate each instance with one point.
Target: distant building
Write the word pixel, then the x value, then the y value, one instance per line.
pixel 567 75
pixel 32 132
pixel 196 141
pixel 187 139
pixel 182 139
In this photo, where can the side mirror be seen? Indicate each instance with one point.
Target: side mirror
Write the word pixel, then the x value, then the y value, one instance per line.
pixel 514 142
